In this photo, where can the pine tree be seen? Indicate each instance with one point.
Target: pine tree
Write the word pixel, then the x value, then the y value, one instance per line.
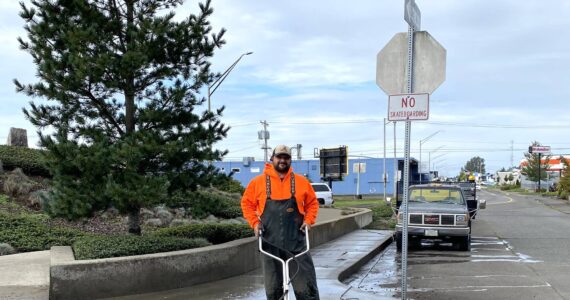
pixel 533 164
pixel 564 184
pixel 122 81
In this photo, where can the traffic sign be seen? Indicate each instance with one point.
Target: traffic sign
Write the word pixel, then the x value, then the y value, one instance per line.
pixel 408 107
pixel 539 149
pixel 429 64
pixel 412 14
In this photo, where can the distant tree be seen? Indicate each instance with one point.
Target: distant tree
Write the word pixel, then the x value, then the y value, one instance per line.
pixel 475 164
pixel 462 175
pixel 564 185
pixel 534 163
pixel 503 169
pixel 511 178
pixel 122 81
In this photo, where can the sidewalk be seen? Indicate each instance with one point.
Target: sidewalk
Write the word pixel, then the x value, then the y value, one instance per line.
pixel 345 254
pixel 25 276
pixel 555 203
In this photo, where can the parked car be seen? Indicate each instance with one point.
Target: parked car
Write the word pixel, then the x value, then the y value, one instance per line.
pixel 436 212
pixel 324 193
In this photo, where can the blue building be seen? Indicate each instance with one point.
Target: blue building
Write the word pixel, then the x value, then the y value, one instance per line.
pixel 369 182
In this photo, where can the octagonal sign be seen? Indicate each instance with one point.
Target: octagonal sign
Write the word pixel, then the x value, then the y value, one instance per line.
pixel 429 64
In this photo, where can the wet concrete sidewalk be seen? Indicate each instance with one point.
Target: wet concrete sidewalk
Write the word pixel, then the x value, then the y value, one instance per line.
pixel 345 254
pixel 25 276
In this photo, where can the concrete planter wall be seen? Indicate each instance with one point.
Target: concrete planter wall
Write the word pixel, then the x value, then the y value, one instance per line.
pixel 101 278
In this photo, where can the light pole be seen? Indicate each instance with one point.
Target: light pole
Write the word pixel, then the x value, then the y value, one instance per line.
pixel 421 143
pixel 429 159
pixel 214 86
pixel 384 173
pixel 438 159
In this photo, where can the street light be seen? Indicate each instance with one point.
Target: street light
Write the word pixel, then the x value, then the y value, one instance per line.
pixel 219 81
pixel 421 143
pixel 429 158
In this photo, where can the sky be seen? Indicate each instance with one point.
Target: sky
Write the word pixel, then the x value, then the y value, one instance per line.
pixel 312 77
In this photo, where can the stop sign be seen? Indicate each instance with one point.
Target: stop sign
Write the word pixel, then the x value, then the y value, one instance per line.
pixel 429 64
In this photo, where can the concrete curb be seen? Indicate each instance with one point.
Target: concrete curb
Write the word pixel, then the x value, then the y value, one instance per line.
pixel 348 271
pixel 111 277
pixel 336 289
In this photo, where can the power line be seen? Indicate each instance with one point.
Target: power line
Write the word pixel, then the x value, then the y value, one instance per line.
pixel 480 125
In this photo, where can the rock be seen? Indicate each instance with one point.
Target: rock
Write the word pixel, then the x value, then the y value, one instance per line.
pixel 211 219
pixel 17 137
pixel 165 216
pixel 178 222
pixel 6 249
pixel 230 221
pixel 34 199
pixel 180 212
pixel 153 222
pixel 242 220
pixel 159 207
pixel 146 214
pixel 110 213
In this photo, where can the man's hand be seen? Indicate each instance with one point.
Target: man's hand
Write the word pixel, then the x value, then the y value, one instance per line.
pixel 257 230
pixel 305 226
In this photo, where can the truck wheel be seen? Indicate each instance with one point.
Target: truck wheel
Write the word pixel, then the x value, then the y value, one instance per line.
pixel 465 243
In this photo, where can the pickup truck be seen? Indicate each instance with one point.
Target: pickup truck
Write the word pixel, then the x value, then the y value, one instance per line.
pixel 470 193
pixel 438 212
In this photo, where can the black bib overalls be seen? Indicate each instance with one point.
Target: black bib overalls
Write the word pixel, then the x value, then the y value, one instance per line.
pixel 282 221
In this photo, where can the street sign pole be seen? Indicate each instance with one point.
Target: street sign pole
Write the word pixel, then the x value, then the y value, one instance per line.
pixel 395 81
pixel 406 177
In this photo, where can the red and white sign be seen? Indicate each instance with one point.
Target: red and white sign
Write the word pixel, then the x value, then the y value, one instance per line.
pixel 408 107
pixel 539 149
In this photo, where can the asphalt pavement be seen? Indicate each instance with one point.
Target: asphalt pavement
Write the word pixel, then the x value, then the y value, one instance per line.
pixel 520 250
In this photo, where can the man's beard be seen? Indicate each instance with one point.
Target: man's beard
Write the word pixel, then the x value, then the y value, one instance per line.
pixel 281 169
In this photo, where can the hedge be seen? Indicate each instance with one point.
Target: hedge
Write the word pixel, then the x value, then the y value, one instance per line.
pixel 29 160
pixel 93 247
pixel 31 232
pixel 208 201
pixel 214 233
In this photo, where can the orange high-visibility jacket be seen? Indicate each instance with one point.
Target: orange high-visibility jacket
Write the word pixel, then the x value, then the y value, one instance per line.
pixel 255 195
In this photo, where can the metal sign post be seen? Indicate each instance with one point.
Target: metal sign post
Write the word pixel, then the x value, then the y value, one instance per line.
pixel 407 168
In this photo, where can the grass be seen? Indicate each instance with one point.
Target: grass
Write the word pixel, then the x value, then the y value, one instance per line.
pixel 349 201
pixel 382 215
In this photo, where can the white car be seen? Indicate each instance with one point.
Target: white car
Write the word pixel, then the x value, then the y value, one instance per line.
pixel 324 193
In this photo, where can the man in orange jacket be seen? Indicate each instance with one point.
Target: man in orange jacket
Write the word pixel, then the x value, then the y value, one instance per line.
pixel 283 204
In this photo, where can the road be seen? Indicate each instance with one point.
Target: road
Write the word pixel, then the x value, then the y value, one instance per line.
pixel 520 250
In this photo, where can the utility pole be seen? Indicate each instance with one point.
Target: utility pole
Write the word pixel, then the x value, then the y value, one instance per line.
pixel 264 135
pixel 512 149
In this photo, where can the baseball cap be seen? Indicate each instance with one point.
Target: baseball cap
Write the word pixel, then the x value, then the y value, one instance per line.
pixel 281 149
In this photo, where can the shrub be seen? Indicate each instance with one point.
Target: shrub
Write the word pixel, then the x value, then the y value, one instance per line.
pixel 32 232
pixel 563 195
pixel 214 233
pixel 382 211
pixel 6 249
pixel 16 183
pixel 229 185
pixel 208 201
pixel 4 199
pixel 93 247
pixel 31 161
